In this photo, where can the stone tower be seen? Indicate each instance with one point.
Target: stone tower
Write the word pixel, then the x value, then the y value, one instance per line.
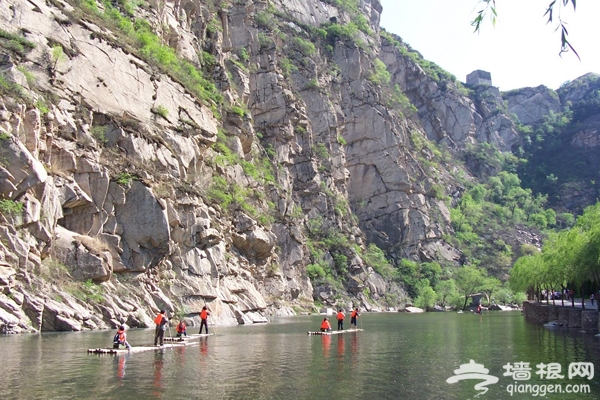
pixel 479 77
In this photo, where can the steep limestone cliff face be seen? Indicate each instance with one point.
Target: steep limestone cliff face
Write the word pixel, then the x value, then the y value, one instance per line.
pixel 109 178
pixel 119 178
pixel 531 105
pixel 448 114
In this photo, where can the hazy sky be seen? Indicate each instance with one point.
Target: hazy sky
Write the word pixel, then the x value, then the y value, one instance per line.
pixel 521 50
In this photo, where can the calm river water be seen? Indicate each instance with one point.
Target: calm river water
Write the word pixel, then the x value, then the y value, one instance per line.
pixel 397 356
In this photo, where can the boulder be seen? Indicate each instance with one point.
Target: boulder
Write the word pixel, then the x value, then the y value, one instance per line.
pixel 59 317
pixel 22 169
pixel 255 243
pixel 412 310
pixel 145 228
pixel 71 250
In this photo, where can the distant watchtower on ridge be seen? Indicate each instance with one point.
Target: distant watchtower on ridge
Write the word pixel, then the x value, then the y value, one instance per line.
pixel 479 77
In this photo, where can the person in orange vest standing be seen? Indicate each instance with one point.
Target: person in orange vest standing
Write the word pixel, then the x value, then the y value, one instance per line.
pixel 353 318
pixel 325 325
pixel 340 319
pixel 203 319
pixel 161 325
pixel 181 329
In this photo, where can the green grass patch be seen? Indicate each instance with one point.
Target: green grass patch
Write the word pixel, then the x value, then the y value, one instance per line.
pixel 99 133
pixel 15 43
pixel 380 75
pixel 10 207
pixel 125 178
pixel 161 110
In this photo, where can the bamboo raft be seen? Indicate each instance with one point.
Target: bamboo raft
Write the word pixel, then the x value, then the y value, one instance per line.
pixel 138 349
pixel 334 332
pixel 187 338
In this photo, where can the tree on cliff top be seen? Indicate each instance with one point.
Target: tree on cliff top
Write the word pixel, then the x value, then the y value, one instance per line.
pixel 488 7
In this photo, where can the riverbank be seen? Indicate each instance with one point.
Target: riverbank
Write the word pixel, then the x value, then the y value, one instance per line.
pixel 563 316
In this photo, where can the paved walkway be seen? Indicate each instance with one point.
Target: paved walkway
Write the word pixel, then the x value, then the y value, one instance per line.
pixel 588 303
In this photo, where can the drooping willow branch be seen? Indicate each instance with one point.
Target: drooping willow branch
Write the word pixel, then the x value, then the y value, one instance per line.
pixel 488 7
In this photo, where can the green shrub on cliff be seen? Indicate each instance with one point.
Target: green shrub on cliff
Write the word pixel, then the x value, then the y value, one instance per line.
pixel 375 258
pixel 125 178
pixel 380 75
pixel 87 291
pixel 265 20
pixel 10 89
pixel 305 47
pixel 397 99
pixel 337 32
pixel 9 207
pixel 315 271
pixel 161 110
pixel 15 43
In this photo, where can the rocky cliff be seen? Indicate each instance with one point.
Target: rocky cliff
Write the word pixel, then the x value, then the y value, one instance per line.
pixel 239 154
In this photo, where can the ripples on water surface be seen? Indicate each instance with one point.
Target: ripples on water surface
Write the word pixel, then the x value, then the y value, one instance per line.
pixel 397 356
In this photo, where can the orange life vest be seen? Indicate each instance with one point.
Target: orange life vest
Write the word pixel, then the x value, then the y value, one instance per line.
pixel 203 314
pixel 354 314
pixel 158 319
pixel 340 315
pixel 122 336
pixel 180 327
pixel 325 325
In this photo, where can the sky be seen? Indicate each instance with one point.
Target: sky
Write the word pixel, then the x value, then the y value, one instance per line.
pixel 520 50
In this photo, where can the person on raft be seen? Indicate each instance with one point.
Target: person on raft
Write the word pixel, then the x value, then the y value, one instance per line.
pixel 353 318
pixel 325 325
pixel 181 329
pixel 121 339
pixel 340 319
pixel 204 319
pixel 161 325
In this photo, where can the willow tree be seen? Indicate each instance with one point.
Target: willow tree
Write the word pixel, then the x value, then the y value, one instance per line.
pixel 527 274
pixel 559 260
pixel 586 247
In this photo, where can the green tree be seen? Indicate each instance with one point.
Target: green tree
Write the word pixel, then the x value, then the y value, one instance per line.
pixel 469 280
pixel 445 290
pixel 525 273
pixel 488 286
pixel 427 296
pixel 504 295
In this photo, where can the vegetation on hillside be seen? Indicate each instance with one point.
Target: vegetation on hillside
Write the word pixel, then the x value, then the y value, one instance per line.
pixel 554 166
pixel 569 259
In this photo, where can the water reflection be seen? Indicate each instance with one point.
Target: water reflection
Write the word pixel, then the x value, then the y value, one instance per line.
pixel 340 347
pixel 158 366
pixel 121 364
pixel 326 340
